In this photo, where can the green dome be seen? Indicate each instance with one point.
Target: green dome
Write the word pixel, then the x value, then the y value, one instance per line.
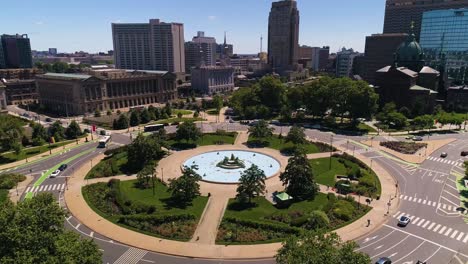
pixel 410 50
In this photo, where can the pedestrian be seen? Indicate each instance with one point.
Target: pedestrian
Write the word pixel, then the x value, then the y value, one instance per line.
pixel 368 222
pixel 328 187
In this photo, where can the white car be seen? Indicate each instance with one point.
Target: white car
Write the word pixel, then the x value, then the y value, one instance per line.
pixel 55 174
pixel 404 221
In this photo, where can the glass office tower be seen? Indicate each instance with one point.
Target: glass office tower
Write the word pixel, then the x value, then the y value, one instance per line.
pixel 444 39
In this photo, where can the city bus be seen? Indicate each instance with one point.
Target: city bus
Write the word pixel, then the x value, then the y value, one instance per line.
pixel 154 128
pixel 103 141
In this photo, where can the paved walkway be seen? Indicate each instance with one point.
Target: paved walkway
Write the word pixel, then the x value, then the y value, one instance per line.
pixel 205 247
pixel 208 227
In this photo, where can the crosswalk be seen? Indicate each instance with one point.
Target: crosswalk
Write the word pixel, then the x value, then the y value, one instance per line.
pixel 435 227
pixel 411 168
pixel 428 203
pixel 46 188
pixel 446 161
pixel 131 256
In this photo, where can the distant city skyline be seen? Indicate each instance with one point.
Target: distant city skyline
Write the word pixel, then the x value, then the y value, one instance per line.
pixel 87 26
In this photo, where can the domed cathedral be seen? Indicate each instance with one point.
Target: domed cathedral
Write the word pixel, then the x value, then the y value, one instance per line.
pixel 408 82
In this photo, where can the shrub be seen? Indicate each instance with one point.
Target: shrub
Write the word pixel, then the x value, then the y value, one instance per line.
pixel 317 220
pixel 343 210
pixel 403 147
pixel 9 180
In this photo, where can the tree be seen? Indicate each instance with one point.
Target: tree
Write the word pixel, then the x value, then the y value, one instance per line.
pixel 33 232
pixel 251 184
pixel 299 179
pixel 296 135
pixel 217 103
pixel 168 109
pixel 39 134
pixel 73 131
pixel 423 122
pixel 57 131
pixel 188 131
pixel 261 130
pixel 97 113
pixel 144 150
pixel 185 188
pixel 145 116
pixel 134 118
pixel 11 132
pixel 313 248
pixel 145 176
pixel 122 122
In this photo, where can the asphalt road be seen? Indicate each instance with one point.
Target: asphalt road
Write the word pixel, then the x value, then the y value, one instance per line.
pixel 437 233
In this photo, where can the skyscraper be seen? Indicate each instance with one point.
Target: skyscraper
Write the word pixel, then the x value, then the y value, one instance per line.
pixel 444 40
pixel 149 46
pixel 200 51
pixel 344 62
pixel 2 57
pixel 283 36
pixel 16 51
pixel 399 14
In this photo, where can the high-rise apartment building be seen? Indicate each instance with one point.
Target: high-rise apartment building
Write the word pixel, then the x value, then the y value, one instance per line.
pixel 283 36
pixel 444 40
pixel 380 52
pixel 149 46
pixel 2 57
pixel 399 14
pixel 324 55
pixel 16 51
pixel 344 62
pixel 200 51
pixel 309 57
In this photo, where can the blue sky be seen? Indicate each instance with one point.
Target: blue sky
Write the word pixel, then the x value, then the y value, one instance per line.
pixel 86 24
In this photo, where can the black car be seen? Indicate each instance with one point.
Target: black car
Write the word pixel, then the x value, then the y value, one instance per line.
pixel 464 153
pixel 384 261
pixel 63 167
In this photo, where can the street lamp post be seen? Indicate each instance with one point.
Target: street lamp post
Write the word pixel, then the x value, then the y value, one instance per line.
pixel 331 150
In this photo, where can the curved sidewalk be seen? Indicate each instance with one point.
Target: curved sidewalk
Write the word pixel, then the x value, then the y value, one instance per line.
pixel 79 208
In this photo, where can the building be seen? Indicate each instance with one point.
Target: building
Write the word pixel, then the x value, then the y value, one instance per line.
pixel 16 51
pixel 444 40
pixel 22 74
pixel 224 51
pixel 400 14
pixel 200 51
pixel 2 57
pixel 211 80
pixel 77 94
pixel 53 51
pixel 20 91
pixel 246 64
pixel 3 102
pixel 149 46
pixel 380 52
pixel 283 36
pixel 344 62
pixel 457 98
pixel 407 82
pixel 309 57
pixel 324 56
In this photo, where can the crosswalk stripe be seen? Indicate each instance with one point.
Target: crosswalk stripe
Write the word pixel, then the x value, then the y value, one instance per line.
pixel 454 234
pixel 400 215
pixel 444 206
pixel 448 232
pixel 54 187
pixel 40 188
pixel 410 199
pixel 63 186
pixel 420 200
pixel 27 189
pixel 460 236
pixel 396 214
pixel 442 229
pixel 437 228
pixel 421 222
pixel 434 204
pixel 415 220
pixel 466 239
pixel 431 226
pixel 427 223
pixel 424 202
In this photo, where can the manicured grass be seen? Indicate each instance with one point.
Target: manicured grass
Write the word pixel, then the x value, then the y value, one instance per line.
pixel 111 166
pixel 161 199
pixel 175 120
pixel 227 138
pixel 29 152
pixel 3 196
pixel 323 174
pixel 277 143
pixel 212 112
pixel 364 127
pixel 139 210
pixel 175 112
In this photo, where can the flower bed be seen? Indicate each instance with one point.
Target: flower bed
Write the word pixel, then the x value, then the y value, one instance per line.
pixel 404 147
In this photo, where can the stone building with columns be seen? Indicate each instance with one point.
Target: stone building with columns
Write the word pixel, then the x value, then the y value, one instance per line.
pixel 209 80
pixel 77 94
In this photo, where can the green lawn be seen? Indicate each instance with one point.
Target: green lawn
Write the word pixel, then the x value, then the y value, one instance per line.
pixel 364 127
pixel 227 138
pixel 29 152
pixel 137 209
pixel 275 142
pixel 265 223
pixel 212 112
pixel 175 120
pixel 324 175
pixel 111 166
pixel 3 196
pixel 175 112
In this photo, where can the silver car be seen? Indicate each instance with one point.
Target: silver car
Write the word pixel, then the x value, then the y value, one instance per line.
pixel 404 221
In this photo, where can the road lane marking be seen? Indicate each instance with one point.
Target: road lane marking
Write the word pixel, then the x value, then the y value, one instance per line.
pixel 411 252
pixel 429 241
pixel 420 222
pixel 454 234
pixel 448 232
pixel 466 239
pixel 401 241
pixel 449 200
pixel 431 226
pixel 91 234
pixel 460 236
pixel 437 228
pixel 431 256
pixel 442 229
pixel 379 240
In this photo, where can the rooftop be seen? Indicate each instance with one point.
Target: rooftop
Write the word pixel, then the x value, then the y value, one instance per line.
pixel 66 76
pixel 420 88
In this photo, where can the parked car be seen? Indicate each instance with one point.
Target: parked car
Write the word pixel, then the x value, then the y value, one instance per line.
pixel 464 153
pixel 55 174
pixel 410 137
pixel 275 122
pixel 417 139
pixel 48 120
pixel 383 261
pixel 63 167
pixel 443 155
pixel 404 221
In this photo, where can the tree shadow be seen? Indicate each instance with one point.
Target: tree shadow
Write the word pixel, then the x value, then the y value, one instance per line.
pixel 237 206
pixel 464 193
pixel 170 203
pixel 257 144
pixel 183 146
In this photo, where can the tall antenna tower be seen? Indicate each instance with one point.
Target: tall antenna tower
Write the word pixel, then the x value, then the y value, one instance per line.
pixel 261 43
